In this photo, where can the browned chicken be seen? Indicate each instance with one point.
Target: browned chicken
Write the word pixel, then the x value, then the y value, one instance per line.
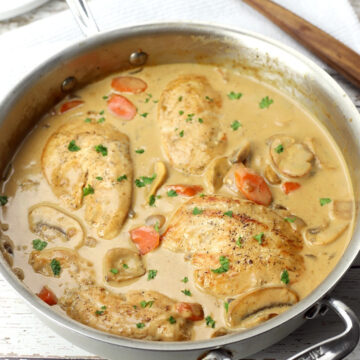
pixel 189 114
pixel 90 163
pixel 139 314
pixel 235 245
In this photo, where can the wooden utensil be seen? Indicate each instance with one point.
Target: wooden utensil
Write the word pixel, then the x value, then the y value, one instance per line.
pixel 331 51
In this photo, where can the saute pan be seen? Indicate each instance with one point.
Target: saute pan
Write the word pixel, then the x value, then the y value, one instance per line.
pixel 102 53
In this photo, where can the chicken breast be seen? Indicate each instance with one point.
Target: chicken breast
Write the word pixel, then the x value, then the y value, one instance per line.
pixel 235 245
pixel 90 163
pixel 138 314
pixel 188 115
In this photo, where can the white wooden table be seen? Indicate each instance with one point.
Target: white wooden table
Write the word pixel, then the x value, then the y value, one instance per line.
pixel 23 336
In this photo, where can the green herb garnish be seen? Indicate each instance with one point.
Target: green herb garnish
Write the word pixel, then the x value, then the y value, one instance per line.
pixel 101 149
pixel 209 98
pixel 144 180
pixel 140 325
pixel 140 151
pixel 210 322
pixel 224 265
pixel 152 274
pixel 186 292
pixel 152 200
pixel 181 133
pixel 121 178
pixel 172 320
pixel 144 114
pixel 55 267
pixel 197 211
pixel 324 201
pixel 172 193
pixel 125 266
pixel 279 149
pixel 180 98
pixel 105 97
pixel 239 242
pixel 39 244
pixel 259 237
pixel 88 190
pixel 226 306
pixel 235 125
pixel 265 102
pixel 200 120
pixel 228 213
pixel 87 120
pixel 185 280
pixel 101 112
pixel 289 219
pixel 101 120
pixel 285 277
pixel 144 304
pixel 234 96
pixel 181 112
pixel 3 200
pixel 72 146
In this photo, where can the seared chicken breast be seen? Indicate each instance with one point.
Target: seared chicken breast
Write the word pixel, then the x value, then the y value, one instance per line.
pixel 89 163
pixel 235 245
pixel 189 119
pixel 138 314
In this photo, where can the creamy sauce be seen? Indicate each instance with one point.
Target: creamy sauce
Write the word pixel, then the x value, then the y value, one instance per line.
pixel 26 185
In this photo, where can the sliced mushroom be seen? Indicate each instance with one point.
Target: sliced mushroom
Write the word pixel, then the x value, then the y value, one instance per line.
pixel 56 226
pixel 215 173
pixel 7 248
pixel 222 331
pixel 90 242
pixel 78 268
pixel 161 174
pixel 122 264
pixel 342 209
pixel 291 158
pixel 158 219
pixel 296 222
pixel 326 233
pixel 260 305
pixel 323 159
pixel 19 273
pixel 271 176
pixel 241 153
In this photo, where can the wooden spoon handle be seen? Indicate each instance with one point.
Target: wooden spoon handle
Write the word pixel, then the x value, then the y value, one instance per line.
pixel 331 51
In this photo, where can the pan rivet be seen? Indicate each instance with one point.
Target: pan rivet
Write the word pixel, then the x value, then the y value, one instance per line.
pixel 68 84
pixel 138 58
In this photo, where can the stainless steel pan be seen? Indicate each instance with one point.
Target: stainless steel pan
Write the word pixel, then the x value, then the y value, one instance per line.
pixel 102 53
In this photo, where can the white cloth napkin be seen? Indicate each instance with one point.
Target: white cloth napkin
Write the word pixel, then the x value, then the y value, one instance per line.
pixel 23 49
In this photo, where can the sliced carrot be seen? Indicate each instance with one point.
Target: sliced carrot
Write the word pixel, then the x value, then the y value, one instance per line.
pixel 47 296
pixel 289 186
pixel 121 107
pixel 66 106
pixel 186 190
pixel 146 238
pixel 253 186
pixel 191 311
pixel 128 84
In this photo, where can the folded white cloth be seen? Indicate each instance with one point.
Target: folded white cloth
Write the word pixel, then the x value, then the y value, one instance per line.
pixel 28 46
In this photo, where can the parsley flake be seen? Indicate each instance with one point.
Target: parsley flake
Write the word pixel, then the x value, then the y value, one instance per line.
pixel 99 312
pixel 239 242
pixel 289 219
pixel 99 178
pixel 224 265
pixel 197 211
pixel 72 146
pixel 105 97
pixel 114 271
pixel 87 120
pixel 140 325
pixel 202 195
pixel 186 292
pixel 181 133
pixel 101 112
pixel 235 125
pixel 181 112
pixel 209 99
pixel 265 102
pixel 172 193
pixel 88 190
pixel 210 322
pixel 156 227
pixel 279 149
pixel 180 98
pixel 3 200
pixel 189 117
pixel 39 244
pixel 285 277
pixel 144 115
pixel 172 320
pixel 152 200
pixel 226 306
pixel 144 180
pixel 121 178
pixel 101 149
pixel 200 120
pixel 101 120
pixel 324 201
pixel 140 151
pixel 125 266
pixel 152 274
pixel 55 267
pixel 228 213
pixel 185 280
pixel 144 303
pixel 234 96
pixel 259 237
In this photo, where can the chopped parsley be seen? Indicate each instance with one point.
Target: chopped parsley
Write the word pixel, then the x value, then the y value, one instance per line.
pixel 140 151
pixel 99 178
pixel 200 120
pixel 197 211
pixel 279 149
pixel 285 277
pixel 140 325
pixel 172 320
pixel 181 112
pixel 55 267
pixel 100 312
pixel 210 322
pixel 72 146
pixel 228 213
pixel 144 115
pixel 144 180
pixel 239 242
pixel 101 112
pixel 181 133
pixel 156 227
pixel 152 274
pixel 235 125
pixel 88 190
pixel 180 98
pixel 144 304
pixel 152 200
pixel 186 292
pixel 121 178
pixel 114 271
pixel 39 244
pixel 189 117
pixel 87 120
pixel 3 200
pixel 324 201
pixel 224 265
pixel 172 193
pixel 265 102
pixel 185 280
pixel 202 195
pixel 125 266
pixel 105 97
pixel 101 120
pixel 148 98
pixel 101 149
pixel 259 237
pixel 209 98
pixel 234 96
pixel 226 306
pixel 289 219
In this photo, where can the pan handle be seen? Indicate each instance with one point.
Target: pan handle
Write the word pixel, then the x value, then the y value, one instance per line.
pixel 83 16
pixel 339 346
pixel 335 348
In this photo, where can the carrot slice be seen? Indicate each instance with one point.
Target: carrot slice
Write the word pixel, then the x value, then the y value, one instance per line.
pixel 121 107
pixel 186 190
pixel 66 106
pixel 47 296
pixel 128 84
pixel 253 186
pixel 146 238
pixel 191 311
pixel 289 186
